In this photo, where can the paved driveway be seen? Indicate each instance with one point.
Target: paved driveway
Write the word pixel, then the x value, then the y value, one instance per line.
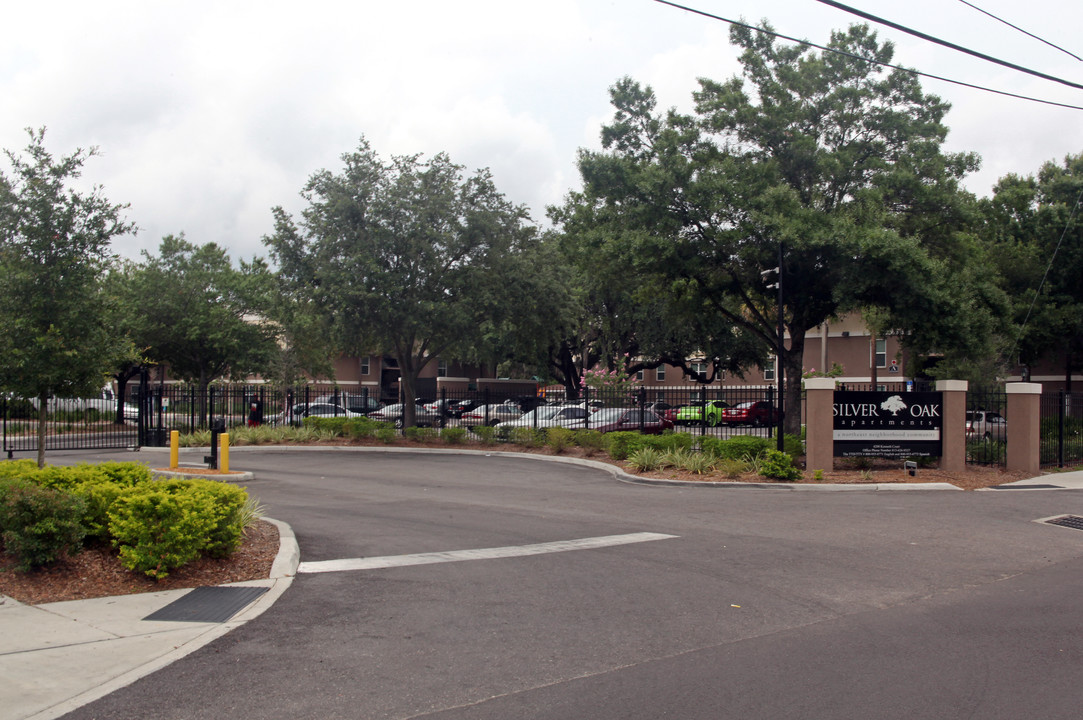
pixel 741 603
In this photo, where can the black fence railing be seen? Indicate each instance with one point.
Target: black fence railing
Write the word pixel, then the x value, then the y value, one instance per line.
pixel 986 428
pixel 1062 429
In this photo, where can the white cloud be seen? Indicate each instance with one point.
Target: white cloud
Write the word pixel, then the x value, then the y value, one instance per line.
pixel 208 114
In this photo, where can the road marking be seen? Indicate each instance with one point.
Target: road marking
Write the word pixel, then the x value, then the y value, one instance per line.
pixel 390 561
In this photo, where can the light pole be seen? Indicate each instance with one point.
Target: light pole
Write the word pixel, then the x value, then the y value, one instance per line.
pixel 779 348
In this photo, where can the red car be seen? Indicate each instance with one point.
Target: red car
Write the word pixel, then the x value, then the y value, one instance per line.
pixel 751 413
pixel 616 419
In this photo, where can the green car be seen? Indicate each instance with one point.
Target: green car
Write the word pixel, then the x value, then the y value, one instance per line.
pixel 694 414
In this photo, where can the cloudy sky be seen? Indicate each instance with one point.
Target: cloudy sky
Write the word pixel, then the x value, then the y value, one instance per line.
pixel 208 114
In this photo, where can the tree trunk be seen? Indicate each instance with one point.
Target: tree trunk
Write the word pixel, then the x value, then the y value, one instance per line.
pixel 792 361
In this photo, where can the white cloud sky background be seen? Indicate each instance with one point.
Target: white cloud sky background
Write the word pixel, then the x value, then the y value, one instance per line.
pixel 207 114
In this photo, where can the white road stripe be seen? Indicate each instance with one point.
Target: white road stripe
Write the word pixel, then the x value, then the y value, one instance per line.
pixel 391 561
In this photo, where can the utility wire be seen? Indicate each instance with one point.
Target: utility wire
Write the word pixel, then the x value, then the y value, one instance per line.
pixel 945 43
pixel 865 59
pixel 1014 27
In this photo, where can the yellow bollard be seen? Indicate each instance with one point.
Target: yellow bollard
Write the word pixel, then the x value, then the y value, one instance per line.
pixel 174 449
pixel 223 454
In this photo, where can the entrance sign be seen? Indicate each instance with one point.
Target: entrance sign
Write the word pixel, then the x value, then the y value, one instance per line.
pixel 888 424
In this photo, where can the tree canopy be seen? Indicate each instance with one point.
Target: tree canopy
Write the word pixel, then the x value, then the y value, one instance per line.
pixel 54 249
pixel 190 308
pixel 827 158
pixel 406 257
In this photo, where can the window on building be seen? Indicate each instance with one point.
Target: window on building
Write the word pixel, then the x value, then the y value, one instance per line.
pixel 769 369
pixel 881 353
pixel 441 368
pixel 639 376
pixel 660 373
pixel 364 366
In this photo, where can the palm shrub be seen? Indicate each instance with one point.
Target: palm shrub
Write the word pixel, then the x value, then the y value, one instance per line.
pixel 698 463
pixel 731 467
pixel 645 459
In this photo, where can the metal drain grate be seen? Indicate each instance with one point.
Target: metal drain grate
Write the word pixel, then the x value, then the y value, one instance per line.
pixel 1069 521
pixel 208 604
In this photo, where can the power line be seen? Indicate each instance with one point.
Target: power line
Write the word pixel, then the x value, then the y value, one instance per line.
pixel 865 59
pixel 945 43
pixel 1015 27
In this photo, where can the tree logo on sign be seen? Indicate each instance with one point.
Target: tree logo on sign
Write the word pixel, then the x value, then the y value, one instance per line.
pixel 893 405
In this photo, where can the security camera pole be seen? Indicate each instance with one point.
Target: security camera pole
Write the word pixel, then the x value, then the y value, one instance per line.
pixel 779 365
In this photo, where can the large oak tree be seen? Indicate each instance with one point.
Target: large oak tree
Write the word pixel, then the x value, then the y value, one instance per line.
pixel 407 257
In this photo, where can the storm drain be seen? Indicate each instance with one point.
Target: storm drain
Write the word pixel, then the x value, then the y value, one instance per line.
pixel 1069 521
pixel 208 604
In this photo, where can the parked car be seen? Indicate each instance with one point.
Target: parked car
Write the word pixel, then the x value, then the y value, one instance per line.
pixel 648 422
pixel 395 414
pixel 491 414
pixel 695 414
pixel 984 424
pixel 354 402
pixel 567 416
pixel 456 408
pixel 296 414
pixel 751 413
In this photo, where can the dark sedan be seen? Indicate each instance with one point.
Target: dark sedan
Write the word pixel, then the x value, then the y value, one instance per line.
pixel 630 419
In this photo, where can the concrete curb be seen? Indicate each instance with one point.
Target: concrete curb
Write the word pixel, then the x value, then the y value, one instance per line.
pixel 282 573
pixel 617 473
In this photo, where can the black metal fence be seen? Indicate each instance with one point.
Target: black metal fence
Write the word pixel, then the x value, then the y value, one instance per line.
pixel 1062 429
pixel 986 439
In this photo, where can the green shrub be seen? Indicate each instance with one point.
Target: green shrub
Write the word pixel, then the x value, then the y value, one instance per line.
pixel 528 436
pixel 621 445
pixel 17 468
pixel 591 440
pixel 98 485
pixel 673 458
pixel 386 435
pixel 742 446
pixel 334 425
pixel 645 459
pixel 779 466
pixel 560 439
pixel 711 445
pixel 793 446
pixel 453 435
pixel 731 467
pixel 161 526
pixel 698 463
pixel 486 434
pixel 39 524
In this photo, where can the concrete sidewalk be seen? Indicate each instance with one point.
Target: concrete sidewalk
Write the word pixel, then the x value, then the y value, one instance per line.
pixel 56 657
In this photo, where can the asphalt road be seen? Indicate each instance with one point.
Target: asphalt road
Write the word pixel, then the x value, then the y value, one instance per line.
pixel 764 604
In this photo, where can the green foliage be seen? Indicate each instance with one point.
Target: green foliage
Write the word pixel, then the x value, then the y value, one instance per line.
pixel 419 434
pixel 386 434
pixel 58 337
pixel 189 306
pixel 793 445
pixel 402 254
pixel 560 439
pixel 645 459
pixel 453 435
pixel 590 440
pixel 486 434
pixel 731 467
pixel 739 447
pixel 39 524
pixel 778 466
pixel 161 526
pixel 337 426
pixel 527 436
pixel 698 463
pixel 621 445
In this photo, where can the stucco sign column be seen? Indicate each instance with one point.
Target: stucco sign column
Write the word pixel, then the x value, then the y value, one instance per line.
pixel 820 424
pixel 1024 427
pixel 953 455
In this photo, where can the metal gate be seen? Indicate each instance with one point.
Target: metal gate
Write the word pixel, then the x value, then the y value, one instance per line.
pixel 70 424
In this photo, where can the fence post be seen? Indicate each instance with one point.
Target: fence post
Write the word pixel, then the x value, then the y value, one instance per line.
pixel 1024 427
pixel 953 425
pixel 820 424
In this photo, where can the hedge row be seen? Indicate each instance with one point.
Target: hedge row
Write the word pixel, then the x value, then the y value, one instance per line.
pixel 156 525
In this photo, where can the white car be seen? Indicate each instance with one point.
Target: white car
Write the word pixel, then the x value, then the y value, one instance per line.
pixel 566 416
